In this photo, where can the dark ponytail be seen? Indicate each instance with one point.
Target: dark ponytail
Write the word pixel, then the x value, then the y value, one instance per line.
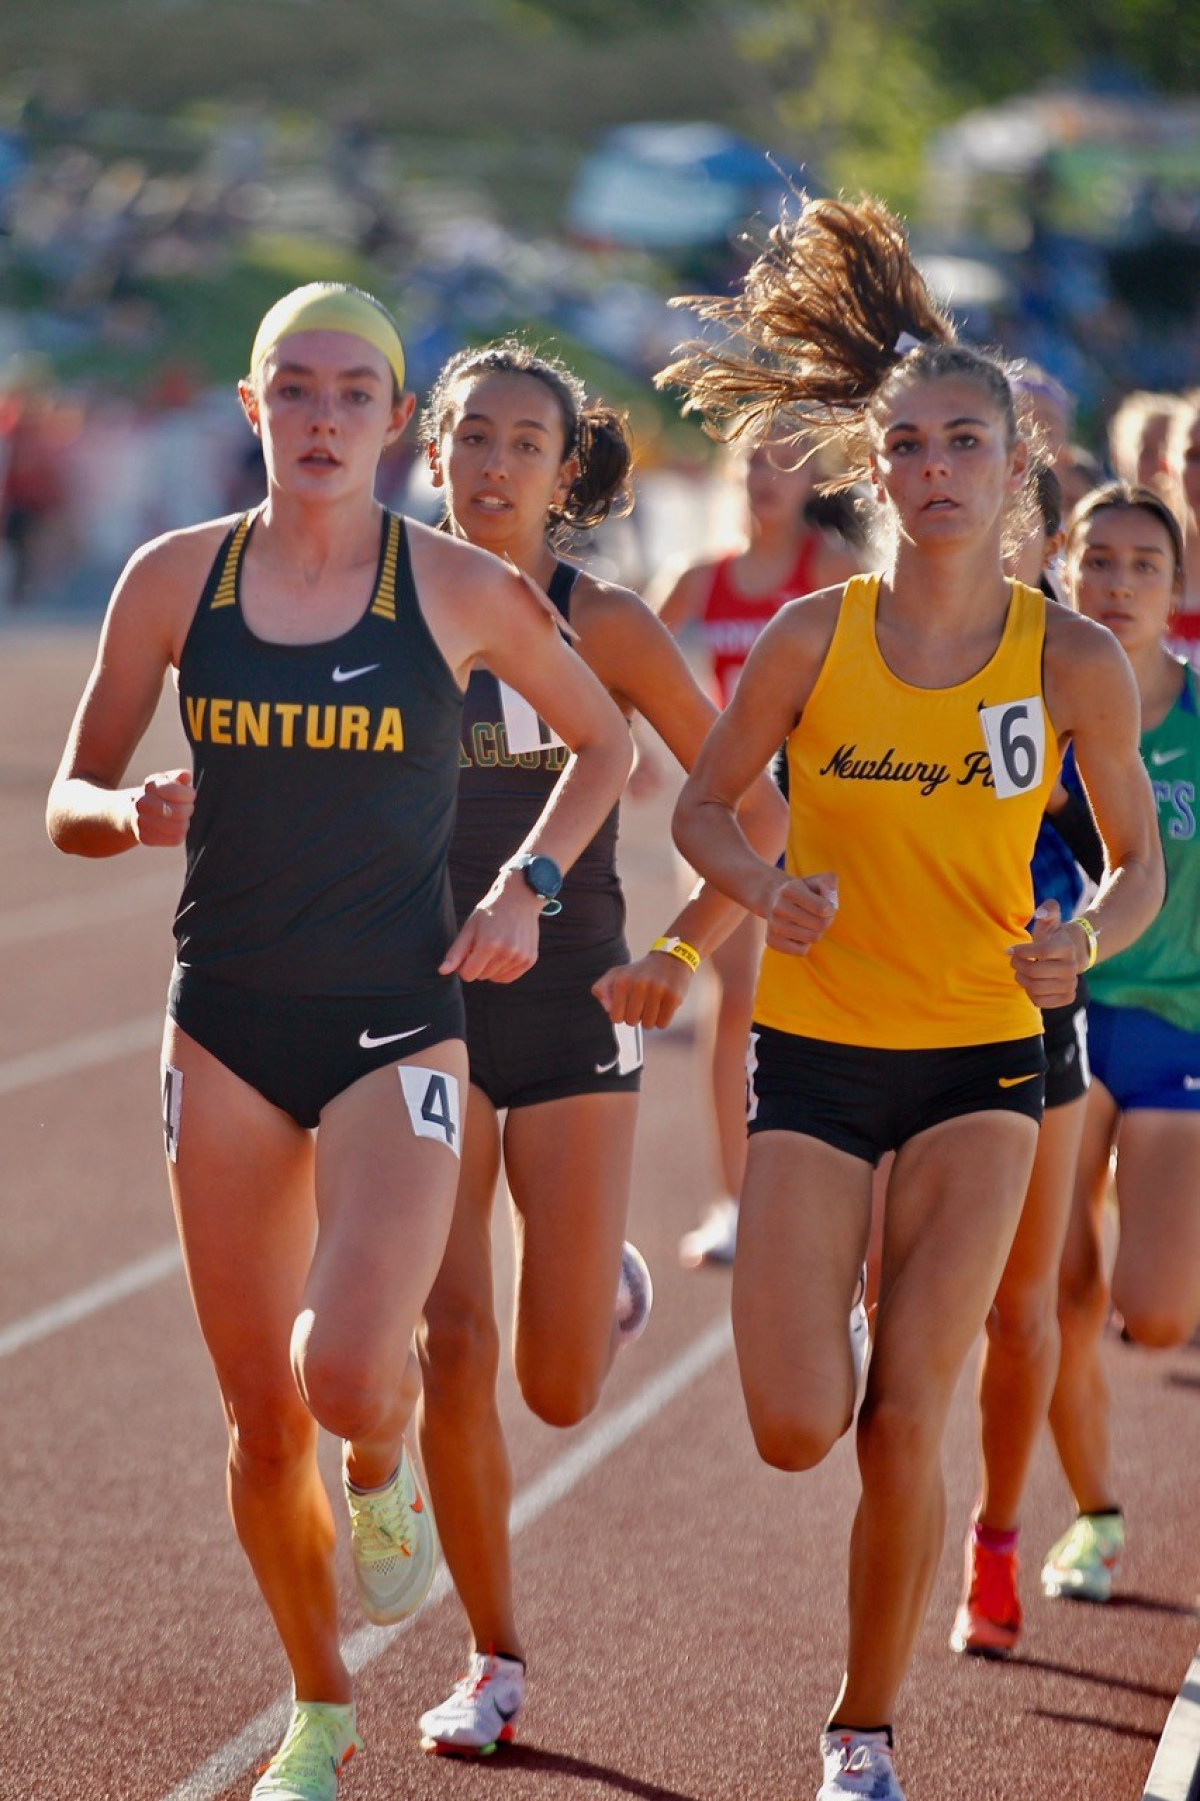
pixel 605 459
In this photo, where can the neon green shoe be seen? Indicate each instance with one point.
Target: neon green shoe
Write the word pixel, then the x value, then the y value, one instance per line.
pixel 1081 1566
pixel 320 1741
pixel 394 1544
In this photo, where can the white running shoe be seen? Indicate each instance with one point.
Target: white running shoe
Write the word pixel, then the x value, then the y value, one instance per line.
pixel 860 1332
pixel 395 1546
pixel 714 1240
pixel 635 1295
pixel 481 1711
pixel 858 1767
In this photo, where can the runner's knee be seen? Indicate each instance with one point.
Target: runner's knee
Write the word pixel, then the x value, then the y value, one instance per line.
pixel 791 1439
pixel 558 1392
pixel 460 1358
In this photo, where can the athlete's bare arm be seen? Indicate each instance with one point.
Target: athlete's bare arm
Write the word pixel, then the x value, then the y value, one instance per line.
pixel 89 812
pixel 479 610
pixel 766 705
pixel 679 594
pixel 1093 700
pixel 642 667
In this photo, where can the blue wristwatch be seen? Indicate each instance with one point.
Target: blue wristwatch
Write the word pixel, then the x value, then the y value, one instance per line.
pixel 543 876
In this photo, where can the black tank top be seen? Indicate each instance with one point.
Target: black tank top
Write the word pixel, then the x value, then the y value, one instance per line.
pixel 509 761
pixel 325 783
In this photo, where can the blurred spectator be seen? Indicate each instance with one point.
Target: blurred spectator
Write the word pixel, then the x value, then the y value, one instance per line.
pixel 1183 478
pixel 1079 472
pixel 36 430
pixel 1137 439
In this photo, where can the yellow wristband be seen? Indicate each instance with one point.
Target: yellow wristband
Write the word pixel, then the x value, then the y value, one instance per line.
pixel 676 947
pixel 1089 932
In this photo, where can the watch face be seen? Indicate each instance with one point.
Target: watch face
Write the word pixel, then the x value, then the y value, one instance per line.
pixel 543 876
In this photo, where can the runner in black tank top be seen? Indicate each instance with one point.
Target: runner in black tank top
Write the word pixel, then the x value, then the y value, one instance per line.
pixel 315 1072
pixel 559 1050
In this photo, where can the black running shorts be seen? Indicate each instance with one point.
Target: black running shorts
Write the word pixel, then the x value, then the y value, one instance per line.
pixel 300 1052
pixel 546 1037
pixel 1065 1034
pixel 867 1102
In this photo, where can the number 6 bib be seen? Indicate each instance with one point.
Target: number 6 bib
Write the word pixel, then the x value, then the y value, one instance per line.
pixel 1015 736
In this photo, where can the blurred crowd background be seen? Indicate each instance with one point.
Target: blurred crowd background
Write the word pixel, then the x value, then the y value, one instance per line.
pixel 556 167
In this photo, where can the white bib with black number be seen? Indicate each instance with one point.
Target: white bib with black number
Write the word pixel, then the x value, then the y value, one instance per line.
pixel 1015 736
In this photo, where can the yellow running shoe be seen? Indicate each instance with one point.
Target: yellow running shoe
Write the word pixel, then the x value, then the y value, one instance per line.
pixel 320 1741
pixel 1081 1566
pixel 394 1544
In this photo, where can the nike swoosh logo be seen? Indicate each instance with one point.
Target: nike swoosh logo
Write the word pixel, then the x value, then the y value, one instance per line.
pixel 603 1069
pixel 369 1043
pixel 348 675
pixel 1159 757
pixel 506 1713
pixel 1015 1081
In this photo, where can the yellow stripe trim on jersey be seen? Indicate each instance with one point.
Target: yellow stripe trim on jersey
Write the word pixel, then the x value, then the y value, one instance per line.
pixel 226 590
pixel 384 603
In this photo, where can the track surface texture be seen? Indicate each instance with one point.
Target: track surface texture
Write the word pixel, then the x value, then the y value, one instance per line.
pixel 683 1605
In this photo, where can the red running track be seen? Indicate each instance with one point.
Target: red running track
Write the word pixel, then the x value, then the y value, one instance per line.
pixel 683 1605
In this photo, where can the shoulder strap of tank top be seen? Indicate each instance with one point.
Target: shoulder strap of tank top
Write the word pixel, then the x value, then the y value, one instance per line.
pixel 561 584
pixel 222 585
pixel 395 568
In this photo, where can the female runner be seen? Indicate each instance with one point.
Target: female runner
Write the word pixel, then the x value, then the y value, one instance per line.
pixel 731 598
pixel 520 458
pixel 1021 1348
pixel 1125 569
pixel 925 710
pixel 314 1071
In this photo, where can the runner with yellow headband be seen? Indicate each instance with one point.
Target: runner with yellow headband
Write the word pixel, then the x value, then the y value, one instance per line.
pixel 331 306
pixel 314 1073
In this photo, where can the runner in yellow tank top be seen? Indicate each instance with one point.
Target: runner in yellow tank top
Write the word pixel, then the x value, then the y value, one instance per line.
pixel 874 759
pixel 897 1007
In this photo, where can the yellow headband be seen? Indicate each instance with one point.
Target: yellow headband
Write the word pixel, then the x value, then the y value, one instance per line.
pixel 324 306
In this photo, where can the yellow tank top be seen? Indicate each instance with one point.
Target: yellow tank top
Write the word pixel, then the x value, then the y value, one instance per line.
pixel 925 803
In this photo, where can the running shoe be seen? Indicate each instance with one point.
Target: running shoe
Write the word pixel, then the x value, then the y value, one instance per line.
pixel 858 1767
pixel 860 1331
pixel 395 1547
pixel 481 1711
pixel 1081 1566
pixel 635 1295
pixel 320 1741
pixel 988 1621
pixel 714 1240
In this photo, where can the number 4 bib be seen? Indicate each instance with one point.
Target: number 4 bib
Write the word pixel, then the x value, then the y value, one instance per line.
pixel 1015 735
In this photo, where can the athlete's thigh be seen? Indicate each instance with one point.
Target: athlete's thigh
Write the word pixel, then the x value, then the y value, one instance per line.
pixel 388 1161
pixel 802 1235
pixel 953 1203
pixel 462 1290
pixel 569 1164
pixel 1032 1266
pixel 1158 1194
pixel 241 1178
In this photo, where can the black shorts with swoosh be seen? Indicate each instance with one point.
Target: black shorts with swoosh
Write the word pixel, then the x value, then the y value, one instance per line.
pixel 546 1037
pixel 301 1051
pixel 867 1102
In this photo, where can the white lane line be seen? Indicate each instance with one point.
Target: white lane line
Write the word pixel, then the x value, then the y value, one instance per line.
pixel 44 919
pixel 260 1737
pixel 127 1281
pixel 81 1053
